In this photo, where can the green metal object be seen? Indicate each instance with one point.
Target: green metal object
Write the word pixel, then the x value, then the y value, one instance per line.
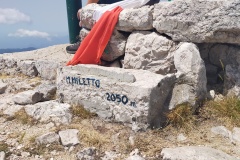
pixel 73 23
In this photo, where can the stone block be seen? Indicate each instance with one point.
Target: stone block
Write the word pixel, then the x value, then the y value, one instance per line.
pixel 48 138
pixel 47 90
pixel 27 97
pixel 86 15
pixel 123 95
pixel 50 111
pixel 149 51
pixel 47 69
pixel 115 47
pixel 133 19
pixel 69 137
pixel 27 68
pixel 199 21
pixel 191 86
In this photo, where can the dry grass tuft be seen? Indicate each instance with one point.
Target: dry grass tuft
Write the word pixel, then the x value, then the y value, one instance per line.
pixel 23 117
pixel 226 110
pixel 80 112
pixel 42 149
pixel 4 76
pixel 93 138
pixel 3 147
pixel 182 117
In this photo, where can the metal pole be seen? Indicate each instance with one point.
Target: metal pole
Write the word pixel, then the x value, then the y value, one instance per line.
pixel 73 23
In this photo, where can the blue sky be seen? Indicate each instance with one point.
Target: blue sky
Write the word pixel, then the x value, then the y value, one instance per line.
pixel 33 23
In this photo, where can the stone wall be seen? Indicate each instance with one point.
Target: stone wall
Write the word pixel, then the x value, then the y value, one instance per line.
pixel 159 56
pixel 196 40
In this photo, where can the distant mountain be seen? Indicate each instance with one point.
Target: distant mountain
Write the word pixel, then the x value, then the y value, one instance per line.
pixel 12 50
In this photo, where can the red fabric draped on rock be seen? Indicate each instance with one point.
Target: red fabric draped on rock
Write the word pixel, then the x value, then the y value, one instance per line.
pixel 93 45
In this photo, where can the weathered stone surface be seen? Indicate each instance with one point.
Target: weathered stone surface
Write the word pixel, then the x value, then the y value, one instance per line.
pixel 232 80
pixel 236 134
pixel 3 87
pixel 28 68
pixel 135 19
pixel 109 155
pixel 135 157
pixel 129 19
pixel 7 62
pixel 87 154
pixel 47 69
pixel 27 97
pixel 234 91
pixel 149 51
pixel 124 94
pixel 48 91
pixel 69 137
pixel 50 111
pixel 194 152
pixel 83 33
pixel 199 20
pixel 2 63
pixel 86 15
pixel 115 47
pixel 192 82
pixel 7 65
pixel 48 138
pixel 2 155
pixel 221 130
pixel 10 110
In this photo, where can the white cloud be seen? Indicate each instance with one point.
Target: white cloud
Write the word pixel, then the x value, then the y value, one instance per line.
pixel 12 16
pixel 28 33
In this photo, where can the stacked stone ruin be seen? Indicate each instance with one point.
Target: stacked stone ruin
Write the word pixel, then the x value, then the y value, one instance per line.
pixel 160 56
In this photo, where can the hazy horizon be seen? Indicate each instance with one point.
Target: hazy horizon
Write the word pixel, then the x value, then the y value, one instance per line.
pixel 38 24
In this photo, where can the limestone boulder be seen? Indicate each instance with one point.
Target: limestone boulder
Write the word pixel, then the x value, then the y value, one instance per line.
pixel 3 87
pixel 113 93
pixel 86 14
pixel 28 68
pixel 69 137
pixel 236 134
pixel 199 21
pixel 133 19
pixel 47 69
pixel 195 152
pixel 48 138
pixel 191 86
pixel 48 91
pixel 129 19
pixel 149 51
pixel 50 111
pixel 27 97
pixel 115 47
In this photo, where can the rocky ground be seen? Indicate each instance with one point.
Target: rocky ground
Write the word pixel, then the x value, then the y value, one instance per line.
pixel 74 133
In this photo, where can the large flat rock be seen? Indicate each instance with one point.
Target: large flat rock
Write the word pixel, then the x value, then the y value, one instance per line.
pixel 117 94
pixel 199 20
pixel 56 53
pixel 42 62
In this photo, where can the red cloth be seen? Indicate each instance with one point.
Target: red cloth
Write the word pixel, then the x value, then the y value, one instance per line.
pixel 93 45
